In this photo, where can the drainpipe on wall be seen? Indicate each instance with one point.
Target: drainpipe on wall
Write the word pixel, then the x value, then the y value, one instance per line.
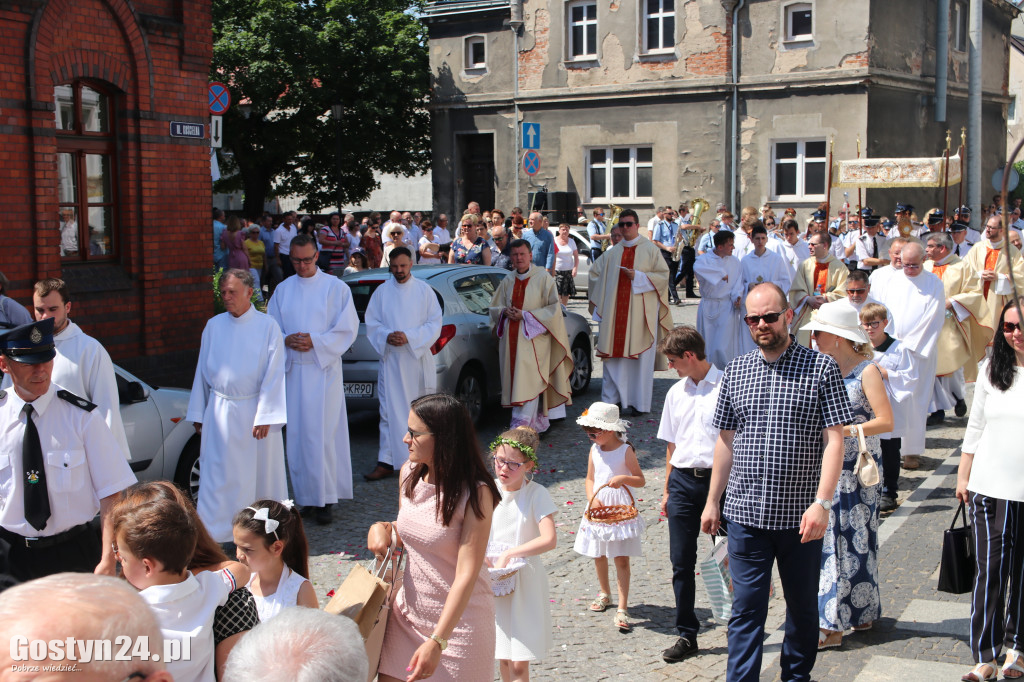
pixel 734 77
pixel 941 60
pixel 974 114
pixel 516 23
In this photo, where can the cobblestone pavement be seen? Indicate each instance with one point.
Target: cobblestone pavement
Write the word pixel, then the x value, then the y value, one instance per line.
pixel 922 631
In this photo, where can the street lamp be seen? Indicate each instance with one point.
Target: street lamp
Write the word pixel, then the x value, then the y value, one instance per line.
pixel 338 112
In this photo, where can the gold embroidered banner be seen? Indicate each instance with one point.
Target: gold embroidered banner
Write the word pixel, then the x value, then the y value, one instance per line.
pixel 867 173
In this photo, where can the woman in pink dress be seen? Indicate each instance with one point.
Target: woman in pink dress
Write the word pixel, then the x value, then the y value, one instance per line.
pixel 442 621
pixel 233 241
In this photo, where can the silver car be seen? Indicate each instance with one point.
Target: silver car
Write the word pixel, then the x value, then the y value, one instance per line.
pixel 466 354
pixel 582 278
pixel 163 445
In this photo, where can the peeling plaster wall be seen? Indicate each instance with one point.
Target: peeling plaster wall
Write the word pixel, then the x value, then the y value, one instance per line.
pixel 840 39
pixel 447 58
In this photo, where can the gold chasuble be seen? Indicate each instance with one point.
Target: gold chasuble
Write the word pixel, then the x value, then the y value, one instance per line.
pixel 534 354
pixel 961 342
pixel 812 278
pixel 983 257
pixel 630 322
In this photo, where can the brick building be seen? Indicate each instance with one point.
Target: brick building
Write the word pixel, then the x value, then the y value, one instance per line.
pixel 95 188
pixel 650 102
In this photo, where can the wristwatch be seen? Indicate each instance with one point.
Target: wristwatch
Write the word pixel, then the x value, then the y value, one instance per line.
pixel 826 504
pixel 441 642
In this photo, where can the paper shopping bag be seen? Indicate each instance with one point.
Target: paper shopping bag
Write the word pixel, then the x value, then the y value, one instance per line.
pixel 714 571
pixel 360 597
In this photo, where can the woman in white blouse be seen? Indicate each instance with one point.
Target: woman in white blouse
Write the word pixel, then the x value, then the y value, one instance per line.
pixel 991 481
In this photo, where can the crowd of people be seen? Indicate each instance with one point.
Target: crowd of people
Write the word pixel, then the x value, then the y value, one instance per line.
pixel 814 344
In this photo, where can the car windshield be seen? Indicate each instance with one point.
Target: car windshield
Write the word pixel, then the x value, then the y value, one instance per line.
pixel 362 290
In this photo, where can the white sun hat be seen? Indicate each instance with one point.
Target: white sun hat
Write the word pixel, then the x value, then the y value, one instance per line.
pixel 839 318
pixel 604 416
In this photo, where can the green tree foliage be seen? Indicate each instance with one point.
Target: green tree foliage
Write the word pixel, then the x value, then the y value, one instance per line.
pixel 286 63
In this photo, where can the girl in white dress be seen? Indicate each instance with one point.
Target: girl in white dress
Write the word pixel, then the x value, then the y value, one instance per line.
pixel 271 541
pixel 612 463
pixel 524 525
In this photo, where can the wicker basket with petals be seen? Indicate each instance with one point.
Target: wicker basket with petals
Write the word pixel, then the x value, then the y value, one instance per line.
pixel 611 513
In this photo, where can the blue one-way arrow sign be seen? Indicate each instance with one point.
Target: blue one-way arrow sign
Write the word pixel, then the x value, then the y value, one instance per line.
pixel 531 135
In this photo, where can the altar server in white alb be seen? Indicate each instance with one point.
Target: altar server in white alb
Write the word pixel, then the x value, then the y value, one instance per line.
pixel 403 320
pixel 759 266
pixel 238 407
pixel 721 292
pixel 82 365
pixel 917 303
pixel 319 323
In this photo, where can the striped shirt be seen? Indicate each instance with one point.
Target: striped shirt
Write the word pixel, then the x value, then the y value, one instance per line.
pixel 778 411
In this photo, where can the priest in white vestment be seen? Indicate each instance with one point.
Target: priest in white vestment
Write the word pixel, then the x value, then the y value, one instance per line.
pixel 319 321
pixel 628 294
pixel 403 321
pixel 880 277
pixel 917 302
pixel 238 408
pixel 987 259
pixel 533 346
pixel 820 279
pixel 721 294
pixel 82 364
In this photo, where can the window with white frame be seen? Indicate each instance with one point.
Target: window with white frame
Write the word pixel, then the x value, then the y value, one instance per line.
pixel 799 18
pixel 659 26
pixel 582 29
pixel 620 173
pixel 476 53
pixel 959 27
pixel 798 170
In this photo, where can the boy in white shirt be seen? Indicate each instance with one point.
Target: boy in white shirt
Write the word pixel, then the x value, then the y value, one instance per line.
pixel 154 543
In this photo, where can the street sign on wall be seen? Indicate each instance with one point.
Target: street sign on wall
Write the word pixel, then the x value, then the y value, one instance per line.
pixel 184 129
pixel 531 162
pixel 531 136
pixel 220 98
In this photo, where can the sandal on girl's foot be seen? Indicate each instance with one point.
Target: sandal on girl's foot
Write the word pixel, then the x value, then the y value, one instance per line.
pixel 601 603
pixel 1014 663
pixel 829 639
pixel 622 621
pixel 863 628
pixel 983 672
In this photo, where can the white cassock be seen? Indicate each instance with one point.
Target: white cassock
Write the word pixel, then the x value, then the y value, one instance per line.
pixel 741 244
pixel 319 460
pixel 768 267
pixel 405 372
pixel 239 384
pixel 721 283
pixel 898 361
pixel 918 307
pixel 793 254
pixel 879 279
pixel 83 366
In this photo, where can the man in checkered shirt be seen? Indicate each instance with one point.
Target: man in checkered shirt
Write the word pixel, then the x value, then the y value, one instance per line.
pixel 781 410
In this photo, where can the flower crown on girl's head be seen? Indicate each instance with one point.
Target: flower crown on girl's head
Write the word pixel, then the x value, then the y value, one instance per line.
pixel 527 451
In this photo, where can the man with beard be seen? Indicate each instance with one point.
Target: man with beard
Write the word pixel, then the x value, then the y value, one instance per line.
pixel 820 279
pixel 533 346
pixel 403 320
pixel 781 410
pixel 987 260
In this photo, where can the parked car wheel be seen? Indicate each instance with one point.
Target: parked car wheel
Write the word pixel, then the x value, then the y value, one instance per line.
pixel 470 390
pixel 187 475
pixel 582 366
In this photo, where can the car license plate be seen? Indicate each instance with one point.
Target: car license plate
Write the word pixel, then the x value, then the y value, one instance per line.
pixel 358 389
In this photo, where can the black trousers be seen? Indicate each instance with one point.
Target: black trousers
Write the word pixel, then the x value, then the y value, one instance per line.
pixel 687 495
pixel 78 554
pixel 672 267
pixel 287 269
pixel 689 257
pixel 890 466
pixel 996 608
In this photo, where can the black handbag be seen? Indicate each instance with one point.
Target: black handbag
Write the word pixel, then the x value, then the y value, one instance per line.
pixel 956 572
